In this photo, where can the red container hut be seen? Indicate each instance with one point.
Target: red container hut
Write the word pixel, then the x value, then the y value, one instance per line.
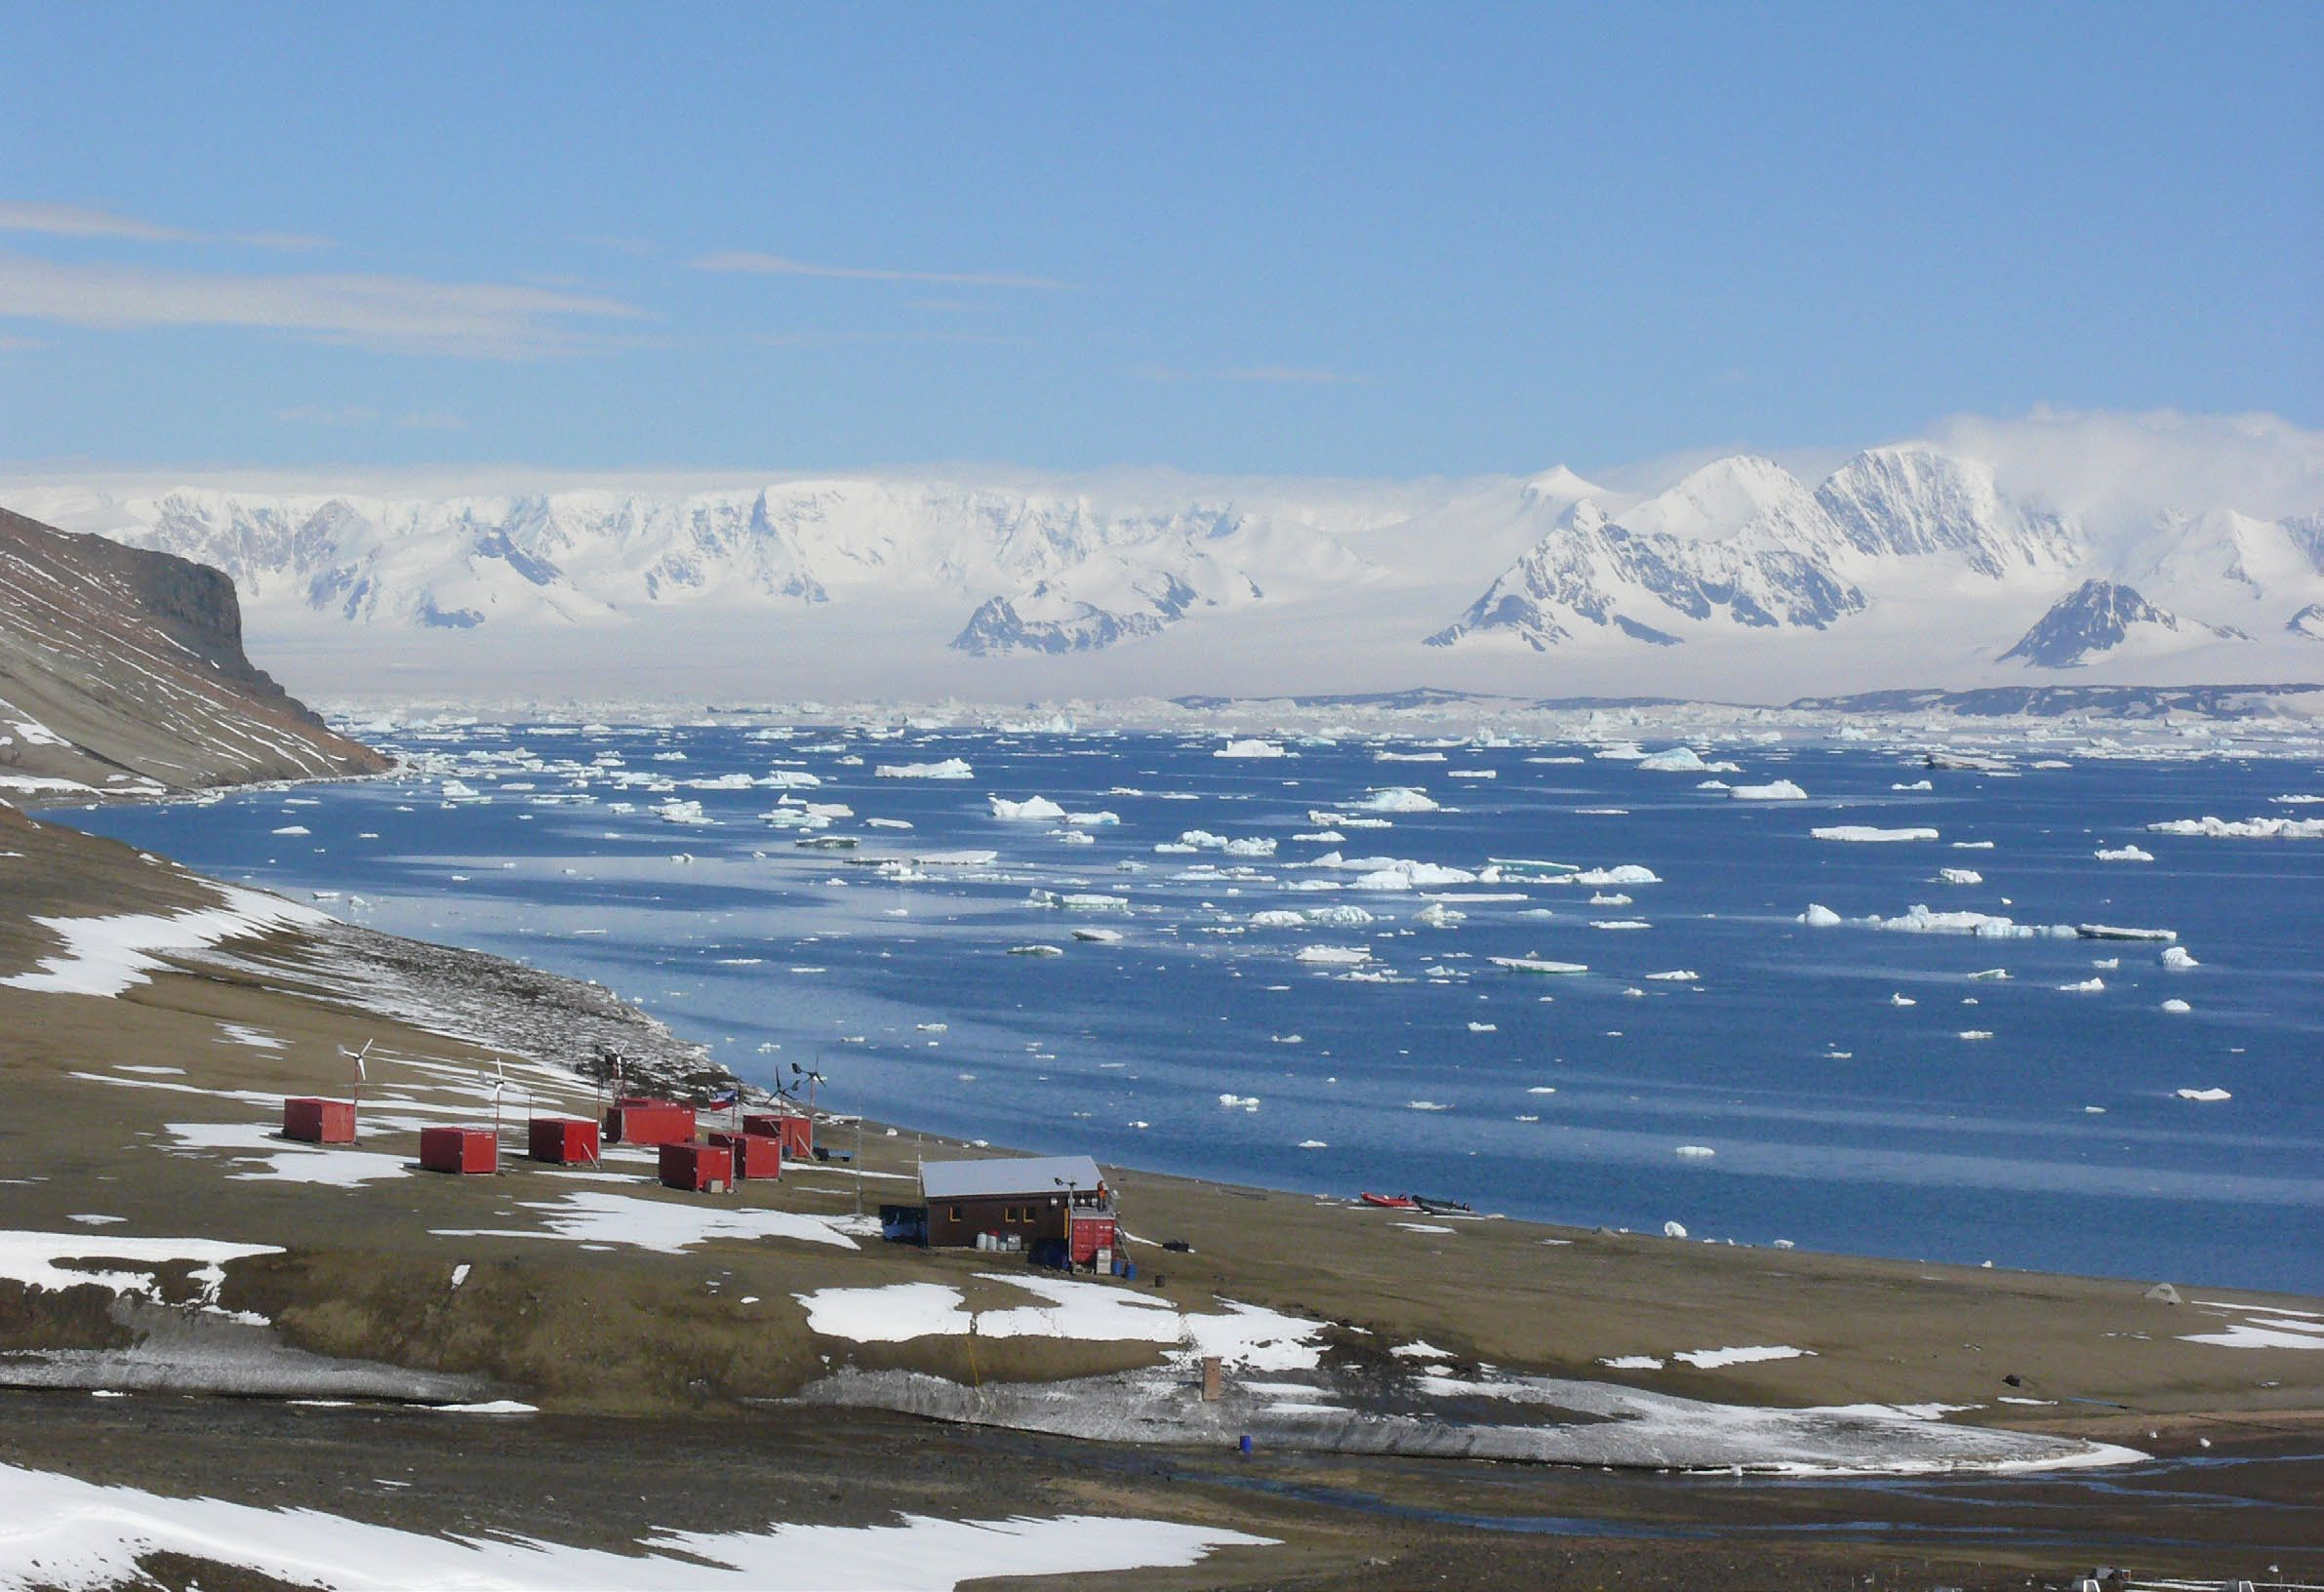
pixel 756 1155
pixel 460 1150
pixel 562 1141
pixel 796 1131
pixel 319 1122
pixel 698 1168
pixel 637 1119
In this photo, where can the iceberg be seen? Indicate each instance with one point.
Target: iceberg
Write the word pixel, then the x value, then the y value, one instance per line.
pixel 1959 876
pixel 1334 956
pixel 1251 748
pixel 1781 790
pixel 2211 828
pixel 1032 809
pixel 1538 965
pixel 1819 917
pixel 2206 1095
pixel 1863 835
pixel 1405 799
pixel 2123 853
pixel 1684 759
pixel 1627 873
pixel 951 767
pixel 2178 959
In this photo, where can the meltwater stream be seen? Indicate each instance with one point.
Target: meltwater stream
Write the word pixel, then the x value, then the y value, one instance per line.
pixel 1938 1095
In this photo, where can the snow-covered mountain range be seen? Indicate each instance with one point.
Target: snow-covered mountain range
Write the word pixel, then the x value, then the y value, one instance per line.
pixel 1910 564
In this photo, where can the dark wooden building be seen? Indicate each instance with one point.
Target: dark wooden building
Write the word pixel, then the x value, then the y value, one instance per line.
pixel 1055 1199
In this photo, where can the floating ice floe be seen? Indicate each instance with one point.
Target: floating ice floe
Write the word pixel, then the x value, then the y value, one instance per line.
pixel 1959 876
pixel 2177 1006
pixel 293 829
pixel 951 767
pixel 1334 956
pixel 2206 1095
pixel 1100 936
pixel 676 812
pixel 1036 950
pixel 1819 917
pixel 1625 873
pixel 2123 853
pixel 1922 920
pixel 1676 975
pixel 1241 1103
pixel 1684 759
pixel 1426 1106
pixel 1695 1152
pixel 1437 915
pixel 1865 835
pixel 2178 959
pixel 1901 1000
pixel 2212 828
pixel 1251 748
pixel 2087 986
pixel 1536 965
pixel 1780 790
pixel 1620 923
pixel 1032 810
pixel 1398 799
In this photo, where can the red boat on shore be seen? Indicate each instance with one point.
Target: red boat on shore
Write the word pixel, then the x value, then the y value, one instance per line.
pixel 1394 1202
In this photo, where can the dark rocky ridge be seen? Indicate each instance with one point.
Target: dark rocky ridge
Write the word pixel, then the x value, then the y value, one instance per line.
pixel 132 663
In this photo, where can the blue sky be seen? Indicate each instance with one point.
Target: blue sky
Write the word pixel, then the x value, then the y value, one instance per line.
pixel 1285 240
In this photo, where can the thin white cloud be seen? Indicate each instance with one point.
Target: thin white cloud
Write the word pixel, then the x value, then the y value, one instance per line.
pixel 1282 375
pixel 482 320
pixel 746 260
pixel 841 340
pixel 1296 375
pixel 2113 469
pixel 315 414
pixel 85 221
pixel 363 414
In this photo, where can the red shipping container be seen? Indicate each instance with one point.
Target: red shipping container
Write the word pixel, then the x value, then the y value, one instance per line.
pixel 638 1120
pixel 756 1155
pixel 1089 1235
pixel 698 1168
pixel 797 1133
pixel 563 1140
pixel 460 1150
pixel 319 1122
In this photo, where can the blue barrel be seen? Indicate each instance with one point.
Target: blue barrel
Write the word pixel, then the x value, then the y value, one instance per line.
pixel 1246 1445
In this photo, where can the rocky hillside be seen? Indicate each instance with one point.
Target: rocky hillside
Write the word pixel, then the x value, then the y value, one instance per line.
pixel 122 672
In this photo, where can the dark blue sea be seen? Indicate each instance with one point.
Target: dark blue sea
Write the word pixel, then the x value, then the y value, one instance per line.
pixel 1836 1116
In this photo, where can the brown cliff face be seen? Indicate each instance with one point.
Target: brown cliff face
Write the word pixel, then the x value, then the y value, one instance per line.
pixel 122 670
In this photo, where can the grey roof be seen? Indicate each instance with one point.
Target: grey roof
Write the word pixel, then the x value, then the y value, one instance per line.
pixel 1031 1174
